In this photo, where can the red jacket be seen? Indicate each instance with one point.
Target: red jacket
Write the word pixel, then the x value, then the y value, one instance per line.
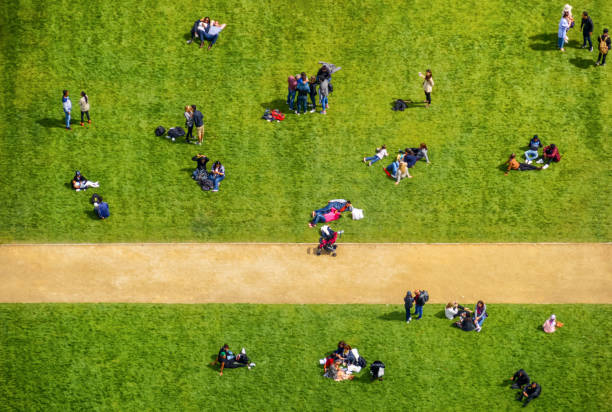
pixel 554 155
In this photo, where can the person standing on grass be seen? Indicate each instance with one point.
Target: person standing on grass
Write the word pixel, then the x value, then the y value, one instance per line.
pixel 198 120
pixel 313 93
pixel 67 105
pixel 428 84
pixel 218 174
pixel 586 25
pixel 408 302
pixel 291 80
pixel 323 95
pixel 188 122
pixel 563 27
pixel 530 392
pixel 604 47
pixel 419 301
pixel 302 89
pixel 84 103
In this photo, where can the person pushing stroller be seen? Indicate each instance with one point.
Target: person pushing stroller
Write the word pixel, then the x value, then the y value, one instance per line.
pixel 327 241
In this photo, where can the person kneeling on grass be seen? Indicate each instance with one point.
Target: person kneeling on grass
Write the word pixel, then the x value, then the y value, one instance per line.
pixel 520 379
pixel 530 392
pixel 228 360
pixel 79 182
pixel 101 209
pixel 380 153
pixel 513 164
pixel 330 216
pixel 551 324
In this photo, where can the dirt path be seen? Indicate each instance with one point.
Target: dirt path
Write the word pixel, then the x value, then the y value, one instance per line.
pixel 290 273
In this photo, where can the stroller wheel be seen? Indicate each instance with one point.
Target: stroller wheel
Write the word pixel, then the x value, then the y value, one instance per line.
pixel 318 252
pixel 333 254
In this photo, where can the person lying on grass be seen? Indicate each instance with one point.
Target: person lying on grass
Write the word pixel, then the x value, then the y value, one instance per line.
pixel 466 323
pixel 380 153
pixel 212 33
pixel 520 379
pixel 453 310
pixel 530 392
pixel 330 216
pixel 204 22
pixel 513 164
pixel 340 205
pixel 228 360
pixel 420 152
pixel 337 372
pixel 551 324
pixel 79 182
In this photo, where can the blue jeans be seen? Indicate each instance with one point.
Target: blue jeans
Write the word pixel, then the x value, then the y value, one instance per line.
pixel 216 180
pixel 392 168
pixel 291 98
pixel 585 38
pixel 319 218
pixel 531 154
pixel 313 100
pixel 67 119
pixel 481 321
pixel 560 42
pixel 335 205
pixel 210 37
pixel 302 103
pixel 418 310
pixel 323 102
pixel 408 317
pixel 372 159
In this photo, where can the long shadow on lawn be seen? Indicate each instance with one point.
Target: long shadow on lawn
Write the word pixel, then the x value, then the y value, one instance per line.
pixel 582 63
pixel 410 104
pixel 92 214
pixel 54 122
pixel 394 316
pixel 275 104
pixel 548 42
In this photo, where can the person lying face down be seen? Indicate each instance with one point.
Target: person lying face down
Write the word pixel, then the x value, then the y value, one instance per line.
pixel 330 216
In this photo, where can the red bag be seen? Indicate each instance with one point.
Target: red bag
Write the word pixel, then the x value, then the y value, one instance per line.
pixel 277 115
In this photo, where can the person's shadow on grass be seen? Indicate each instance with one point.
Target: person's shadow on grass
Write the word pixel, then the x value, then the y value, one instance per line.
pixel 582 63
pixel 398 315
pixel 53 122
pixel 410 104
pixel 280 104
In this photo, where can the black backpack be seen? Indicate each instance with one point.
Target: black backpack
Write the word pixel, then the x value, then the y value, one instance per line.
pixel 424 297
pixel 206 184
pixel 159 131
pixel 400 105
pixel 176 132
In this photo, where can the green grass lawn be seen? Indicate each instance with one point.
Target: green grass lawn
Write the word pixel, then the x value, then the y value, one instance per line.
pixel 498 79
pixel 156 357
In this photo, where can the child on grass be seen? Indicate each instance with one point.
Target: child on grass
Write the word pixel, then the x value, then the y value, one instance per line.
pixel 380 153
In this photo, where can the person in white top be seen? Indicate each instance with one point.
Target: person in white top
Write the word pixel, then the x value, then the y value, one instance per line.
pixel 453 310
pixel 428 84
pixel 570 19
pixel 84 103
pixel 380 153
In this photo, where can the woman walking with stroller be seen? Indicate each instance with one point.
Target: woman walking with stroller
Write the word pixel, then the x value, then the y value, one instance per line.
pixel 428 84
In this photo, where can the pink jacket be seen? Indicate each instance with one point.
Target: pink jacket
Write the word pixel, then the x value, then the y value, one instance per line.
pixel 333 214
pixel 549 326
pixel 292 83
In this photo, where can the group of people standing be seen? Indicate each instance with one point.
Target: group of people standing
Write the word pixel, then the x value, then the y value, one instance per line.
pixel 67 106
pixel 303 87
pixel 194 117
pixel 586 27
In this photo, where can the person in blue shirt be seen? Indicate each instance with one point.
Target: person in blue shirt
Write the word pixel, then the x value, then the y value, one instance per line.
pixel 67 105
pixel 534 145
pixel 102 210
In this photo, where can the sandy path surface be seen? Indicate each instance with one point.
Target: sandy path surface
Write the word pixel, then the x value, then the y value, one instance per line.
pixel 291 273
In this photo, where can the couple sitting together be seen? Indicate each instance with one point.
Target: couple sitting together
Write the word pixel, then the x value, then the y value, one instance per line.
pixel 341 363
pixel 206 31
pixel 228 360
pixel 468 320
pixel 405 160
pixel 79 182
pixel 208 180
pixel 332 211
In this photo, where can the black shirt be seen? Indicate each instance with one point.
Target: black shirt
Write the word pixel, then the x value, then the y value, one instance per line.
pixel 521 379
pixel 198 118
pixel 587 25
pixel 467 324
pixel 408 301
pixel 202 160
pixel 533 392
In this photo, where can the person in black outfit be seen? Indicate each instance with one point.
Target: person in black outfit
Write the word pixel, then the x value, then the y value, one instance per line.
pixel 587 30
pixel 198 120
pixel 520 379
pixel 313 93
pixel 467 323
pixel 605 38
pixel 530 393
pixel 408 301
pixel 228 360
pixel 200 171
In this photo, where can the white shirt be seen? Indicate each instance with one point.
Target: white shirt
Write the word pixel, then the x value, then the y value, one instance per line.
pixel 382 154
pixel 451 312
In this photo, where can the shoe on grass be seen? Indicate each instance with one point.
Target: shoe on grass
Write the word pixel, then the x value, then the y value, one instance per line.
pixel 545 166
pixel 591 50
pixel 540 161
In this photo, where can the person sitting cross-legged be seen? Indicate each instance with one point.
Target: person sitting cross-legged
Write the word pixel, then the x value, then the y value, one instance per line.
pixel 529 393
pixel 228 360
pixel 534 145
pixel 520 379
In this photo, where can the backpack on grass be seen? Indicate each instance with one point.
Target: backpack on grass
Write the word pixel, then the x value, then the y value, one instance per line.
pixel 399 105
pixel 277 115
pixel 377 370
pixel 206 184
pixel 159 131
pixel 176 132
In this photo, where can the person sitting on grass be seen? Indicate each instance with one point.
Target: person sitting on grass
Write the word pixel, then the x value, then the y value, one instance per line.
pixel 402 172
pixel 330 216
pixel 534 145
pixel 228 360
pixel 203 22
pixel 218 174
pixel 79 182
pixel 380 153
pixel 200 172
pixel 420 152
pixel 551 324
pixel 340 205
pixel 392 169
pixel 550 154
pixel 530 392
pixel 100 207
pixel 480 314
pixel 453 310
pixel 520 379
pixel 513 164
pixel 466 323
pixel 337 372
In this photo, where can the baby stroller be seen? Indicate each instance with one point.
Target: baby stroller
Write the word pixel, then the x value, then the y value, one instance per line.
pixel 327 241
pixel 377 370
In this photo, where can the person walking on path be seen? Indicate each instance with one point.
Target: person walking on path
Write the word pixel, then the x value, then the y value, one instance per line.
pixel 188 123
pixel 428 84
pixel 67 104
pixel 198 120
pixel 563 27
pixel 586 25
pixel 84 103
pixel 604 47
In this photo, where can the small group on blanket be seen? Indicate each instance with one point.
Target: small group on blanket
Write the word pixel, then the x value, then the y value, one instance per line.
pixel 206 30
pixel 406 159
pixel 305 87
pixel 342 363
pixel 208 180
pixel 529 390
pixel 228 360
pixel 468 321
pixel 550 154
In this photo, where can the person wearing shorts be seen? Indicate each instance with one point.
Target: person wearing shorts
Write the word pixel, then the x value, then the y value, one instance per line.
pixel 198 120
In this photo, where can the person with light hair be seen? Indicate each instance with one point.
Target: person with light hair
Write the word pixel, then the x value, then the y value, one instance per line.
pixel 570 19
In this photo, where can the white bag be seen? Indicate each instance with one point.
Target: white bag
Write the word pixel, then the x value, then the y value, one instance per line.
pixel 357 214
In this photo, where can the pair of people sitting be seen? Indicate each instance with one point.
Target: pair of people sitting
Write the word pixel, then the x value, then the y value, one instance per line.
pixel 468 320
pixel 208 180
pixel 228 360
pixel 529 390
pixel 550 153
pixel 80 182
pixel 330 212
pixel 206 30
pixel 406 159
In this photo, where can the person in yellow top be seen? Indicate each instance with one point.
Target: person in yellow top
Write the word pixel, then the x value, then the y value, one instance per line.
pixel 513 164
